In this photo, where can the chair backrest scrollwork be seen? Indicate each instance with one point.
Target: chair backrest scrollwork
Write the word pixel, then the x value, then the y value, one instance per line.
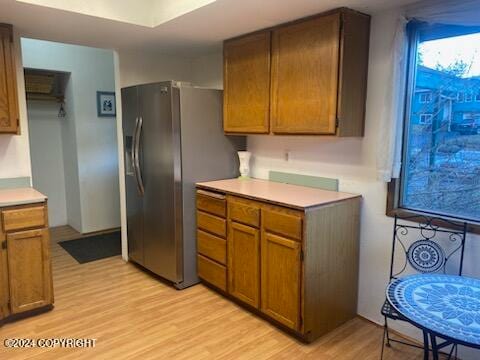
pixel 427 245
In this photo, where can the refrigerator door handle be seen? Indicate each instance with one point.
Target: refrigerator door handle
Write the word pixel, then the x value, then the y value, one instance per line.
pixel 136 157
pixel 132 156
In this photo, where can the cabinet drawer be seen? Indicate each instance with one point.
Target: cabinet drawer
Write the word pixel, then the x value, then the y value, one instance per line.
pixel 211 246
pixel 212 224
pixel 212 272
pixel 24 218
pixel 283 222
pixel 244 211
pixel 211 203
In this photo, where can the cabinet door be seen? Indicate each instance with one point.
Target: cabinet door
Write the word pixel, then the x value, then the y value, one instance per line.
pixel 30 277
pixel 243 263
pixel 281 269
pixel 8 84
pixel 305 62
pixel 247 84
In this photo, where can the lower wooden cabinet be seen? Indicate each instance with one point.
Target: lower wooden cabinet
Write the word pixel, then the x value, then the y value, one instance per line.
pixel 281 282
pixel 244 263
pixel 297 268
pixel 25 265
pixel 29 270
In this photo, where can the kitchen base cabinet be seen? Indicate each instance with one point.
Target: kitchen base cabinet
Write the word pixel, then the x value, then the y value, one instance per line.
pixel 26 275
pixel 297 267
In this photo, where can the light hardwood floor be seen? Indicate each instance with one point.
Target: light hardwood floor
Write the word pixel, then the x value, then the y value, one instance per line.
pixel 133 315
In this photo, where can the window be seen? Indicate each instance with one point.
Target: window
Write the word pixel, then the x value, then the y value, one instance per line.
pixel 441 162
pixel 425 98
pixel 426 119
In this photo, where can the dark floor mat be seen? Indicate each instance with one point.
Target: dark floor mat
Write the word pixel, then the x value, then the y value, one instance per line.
pixel 94 247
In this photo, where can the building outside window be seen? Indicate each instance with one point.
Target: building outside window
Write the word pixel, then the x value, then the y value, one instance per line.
pixel 425 97
pixel 425 119
pixel 441 161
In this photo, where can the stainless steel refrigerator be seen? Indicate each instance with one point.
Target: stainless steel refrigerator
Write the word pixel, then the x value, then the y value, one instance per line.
pixel 173 138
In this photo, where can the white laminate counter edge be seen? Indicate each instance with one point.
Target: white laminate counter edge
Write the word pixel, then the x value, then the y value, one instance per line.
pixel 287 195
pixel 21 196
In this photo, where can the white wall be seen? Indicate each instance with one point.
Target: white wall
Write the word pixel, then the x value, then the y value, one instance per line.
pixel 143 67
pixel 90 142
pixel 207 70
pixel 45 128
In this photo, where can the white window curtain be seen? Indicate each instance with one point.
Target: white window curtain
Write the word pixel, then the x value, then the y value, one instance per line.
pixel 450 12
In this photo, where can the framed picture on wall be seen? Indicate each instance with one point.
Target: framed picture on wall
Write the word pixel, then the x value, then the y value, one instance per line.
pixel 106 104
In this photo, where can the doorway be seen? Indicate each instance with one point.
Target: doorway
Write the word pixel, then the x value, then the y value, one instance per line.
pixel 72 127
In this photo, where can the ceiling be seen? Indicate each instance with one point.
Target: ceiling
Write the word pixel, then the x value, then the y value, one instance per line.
pixel 149 13
pixel 198 31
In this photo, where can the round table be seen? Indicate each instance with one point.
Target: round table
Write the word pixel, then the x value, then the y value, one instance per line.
pixel 444 306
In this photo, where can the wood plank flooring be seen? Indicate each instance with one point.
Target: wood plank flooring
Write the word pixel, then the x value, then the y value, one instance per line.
pixel 133 315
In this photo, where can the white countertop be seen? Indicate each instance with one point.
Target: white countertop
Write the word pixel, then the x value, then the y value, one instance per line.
pixel 20 196
pixel 299 197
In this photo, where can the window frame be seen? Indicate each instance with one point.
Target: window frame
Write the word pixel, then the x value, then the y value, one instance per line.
pixel 394 187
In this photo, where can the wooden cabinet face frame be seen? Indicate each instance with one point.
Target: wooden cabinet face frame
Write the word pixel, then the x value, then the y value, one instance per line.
pixel 4 285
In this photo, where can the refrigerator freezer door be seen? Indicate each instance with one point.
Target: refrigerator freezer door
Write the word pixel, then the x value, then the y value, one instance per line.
pixel 134 199
pixel 161 176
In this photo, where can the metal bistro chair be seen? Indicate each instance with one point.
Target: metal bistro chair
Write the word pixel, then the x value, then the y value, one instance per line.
pixel 426 245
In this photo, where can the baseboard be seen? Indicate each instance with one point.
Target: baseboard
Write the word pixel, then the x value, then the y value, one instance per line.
pixel 392 331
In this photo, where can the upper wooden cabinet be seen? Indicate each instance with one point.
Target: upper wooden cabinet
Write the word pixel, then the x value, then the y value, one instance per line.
pixel 318 77
pixel 247 84
pixel 9 118
pixel 305 76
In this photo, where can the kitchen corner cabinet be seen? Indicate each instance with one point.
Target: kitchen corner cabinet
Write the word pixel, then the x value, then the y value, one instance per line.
pixel 26 276
pixel 297 267
pixel 316 79
pixel 9 114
